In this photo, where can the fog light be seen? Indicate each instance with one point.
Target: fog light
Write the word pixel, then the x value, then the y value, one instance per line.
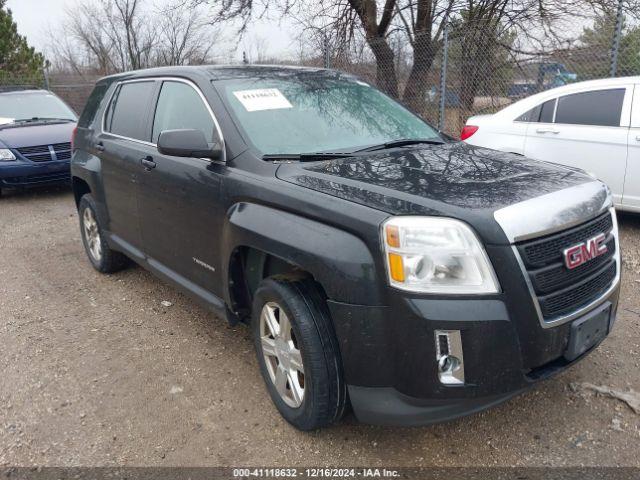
pixel 449 357
pixel 448 364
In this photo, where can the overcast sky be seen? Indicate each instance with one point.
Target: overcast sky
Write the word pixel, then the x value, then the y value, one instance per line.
pixel 35 18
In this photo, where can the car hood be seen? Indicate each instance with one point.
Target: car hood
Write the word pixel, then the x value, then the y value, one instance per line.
pixel 455 180
pixel 38 134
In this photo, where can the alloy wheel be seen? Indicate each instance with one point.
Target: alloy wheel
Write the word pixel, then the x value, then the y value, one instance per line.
pixel 92 234
pixel 282 354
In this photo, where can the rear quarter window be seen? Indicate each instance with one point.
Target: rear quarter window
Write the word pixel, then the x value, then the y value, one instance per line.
pixel 530 115
pixel 93 105
pixel 540 113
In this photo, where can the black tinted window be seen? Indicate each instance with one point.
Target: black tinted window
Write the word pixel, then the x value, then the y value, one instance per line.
pixel 546 111
pixel 93 103
pixel 181 107
pixel 601 107
pixel 128 110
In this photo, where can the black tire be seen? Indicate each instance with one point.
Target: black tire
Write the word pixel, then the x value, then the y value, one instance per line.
pixel 109 261
pixel 325 395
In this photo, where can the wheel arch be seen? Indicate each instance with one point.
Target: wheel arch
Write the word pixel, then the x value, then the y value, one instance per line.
pixel 261 241
pixel 86 177
pixel 80 188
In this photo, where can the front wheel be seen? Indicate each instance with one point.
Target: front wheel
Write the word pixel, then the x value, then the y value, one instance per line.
pixel 298 352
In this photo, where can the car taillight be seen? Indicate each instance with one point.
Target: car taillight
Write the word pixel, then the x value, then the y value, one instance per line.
pixel 467 131
pixel 73 138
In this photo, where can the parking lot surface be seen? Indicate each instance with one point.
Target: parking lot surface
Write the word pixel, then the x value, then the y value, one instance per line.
pixel 124 370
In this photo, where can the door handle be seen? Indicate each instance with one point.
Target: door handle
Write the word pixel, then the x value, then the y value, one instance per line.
pixel 99 146
pixel 638 138
pixel 148 163
pixel 547 130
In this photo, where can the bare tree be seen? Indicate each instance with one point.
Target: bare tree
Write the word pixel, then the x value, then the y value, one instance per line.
pixel 118 35
pixel 184 38
pixel 256 49
pixel 386 25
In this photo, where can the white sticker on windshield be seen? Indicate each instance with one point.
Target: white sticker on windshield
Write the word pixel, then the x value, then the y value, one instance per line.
pixel 262 99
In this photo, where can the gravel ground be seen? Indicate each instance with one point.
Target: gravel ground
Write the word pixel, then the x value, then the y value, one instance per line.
pixel 96 370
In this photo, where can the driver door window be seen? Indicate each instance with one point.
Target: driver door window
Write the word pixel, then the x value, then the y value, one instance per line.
pixel 181 107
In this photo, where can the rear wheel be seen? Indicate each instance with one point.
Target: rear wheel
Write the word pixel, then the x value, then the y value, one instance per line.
pixel 100 255
pixel 298 353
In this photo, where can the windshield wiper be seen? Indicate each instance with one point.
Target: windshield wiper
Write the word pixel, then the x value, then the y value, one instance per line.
pixel 402 142
pixel 316 156
pixel 306 157
pixel 42 119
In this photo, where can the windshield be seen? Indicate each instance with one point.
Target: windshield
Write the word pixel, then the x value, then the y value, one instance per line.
pixel 28 105
pixel 303 112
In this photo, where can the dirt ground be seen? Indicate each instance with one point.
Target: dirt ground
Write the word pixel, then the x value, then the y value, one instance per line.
pixel 94 370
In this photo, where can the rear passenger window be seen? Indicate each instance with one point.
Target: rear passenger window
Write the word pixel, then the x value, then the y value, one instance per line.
pixel 180 106
pixel 127 112
pixel 600 107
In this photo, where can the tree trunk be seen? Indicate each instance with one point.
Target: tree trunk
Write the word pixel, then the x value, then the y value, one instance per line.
pixel 386 77
pixel 415 92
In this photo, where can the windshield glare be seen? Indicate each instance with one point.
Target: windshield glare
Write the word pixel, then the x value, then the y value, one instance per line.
pixel 26 105
pixel 305 113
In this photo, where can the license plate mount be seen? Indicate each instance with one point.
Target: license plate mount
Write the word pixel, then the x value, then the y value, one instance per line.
pixel 588 331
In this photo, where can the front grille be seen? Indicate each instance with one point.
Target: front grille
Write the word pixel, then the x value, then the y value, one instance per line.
pixel 565 301
pixel 39 153
pixel 559 290
pixel 42 153
pixel 545 250
pixel 34 150
pixel 63 150
pixel 557 276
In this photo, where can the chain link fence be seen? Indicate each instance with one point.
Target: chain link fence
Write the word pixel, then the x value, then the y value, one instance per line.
pixel 22 80
pixel 74 89
pixel 481 67
pixel 473 68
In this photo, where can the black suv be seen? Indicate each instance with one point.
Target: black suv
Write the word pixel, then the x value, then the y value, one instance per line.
pixel 379 263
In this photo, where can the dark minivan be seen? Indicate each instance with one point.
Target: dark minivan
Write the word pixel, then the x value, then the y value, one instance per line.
pixel 380 264
pixel 35 138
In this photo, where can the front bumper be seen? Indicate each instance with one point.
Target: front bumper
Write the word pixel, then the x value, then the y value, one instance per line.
pixel 387 406
pixel 22 174
pixel 389 356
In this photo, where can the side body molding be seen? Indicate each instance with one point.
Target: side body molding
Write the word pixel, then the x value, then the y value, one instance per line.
pixel 341 262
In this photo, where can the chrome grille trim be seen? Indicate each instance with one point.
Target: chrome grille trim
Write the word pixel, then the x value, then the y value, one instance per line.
pixel 585 309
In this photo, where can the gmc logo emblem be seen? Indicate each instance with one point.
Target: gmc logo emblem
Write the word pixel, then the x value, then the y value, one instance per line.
pixel 583 252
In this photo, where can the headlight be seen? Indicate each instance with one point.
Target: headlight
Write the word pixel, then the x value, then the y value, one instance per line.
pixel 6 155
pixel 436 255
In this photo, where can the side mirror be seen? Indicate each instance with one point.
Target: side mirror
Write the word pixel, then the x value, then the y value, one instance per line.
pixel 188 143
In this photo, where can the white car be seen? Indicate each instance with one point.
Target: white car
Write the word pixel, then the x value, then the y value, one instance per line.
pixel 592 125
